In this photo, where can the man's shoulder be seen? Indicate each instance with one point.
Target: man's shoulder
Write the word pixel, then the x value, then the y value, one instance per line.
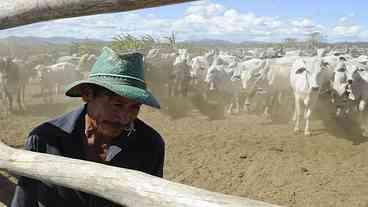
pixel 148 132
pixel 64 122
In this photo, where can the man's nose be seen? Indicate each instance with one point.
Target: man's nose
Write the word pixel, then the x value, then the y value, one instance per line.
pixel 122 116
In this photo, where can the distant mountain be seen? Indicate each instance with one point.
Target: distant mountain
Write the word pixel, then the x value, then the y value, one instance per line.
pixel 210 42
pixel 24 46
pixel 47 40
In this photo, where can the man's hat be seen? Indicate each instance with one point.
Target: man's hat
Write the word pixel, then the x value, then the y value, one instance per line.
pixel 122 74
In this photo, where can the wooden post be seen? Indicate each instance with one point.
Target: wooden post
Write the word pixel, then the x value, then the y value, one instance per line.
pixel 21 12
pixel 123 186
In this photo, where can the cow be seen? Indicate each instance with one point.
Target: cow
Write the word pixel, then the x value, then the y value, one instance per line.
pixel 54 77
pixel 224 84
pixel 276 85
pixel 307 77
pixel 4 111
pixel 86 61
pixel 200 65
pixel 180 75
pixel 251 72
pixel 11 82
pixel 158 68
pixel 357 88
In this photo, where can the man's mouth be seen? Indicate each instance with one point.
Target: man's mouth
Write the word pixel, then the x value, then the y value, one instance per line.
pixel 116 125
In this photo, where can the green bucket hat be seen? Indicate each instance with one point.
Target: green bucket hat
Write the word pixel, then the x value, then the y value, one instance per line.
pixel 122 74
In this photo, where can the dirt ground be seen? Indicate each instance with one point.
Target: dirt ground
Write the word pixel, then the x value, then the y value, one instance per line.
pixel 244 155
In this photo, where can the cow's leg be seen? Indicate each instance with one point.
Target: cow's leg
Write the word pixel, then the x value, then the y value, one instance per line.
pixel 186 87
pixel 10 101
pixel 233 105
pixel 169 87
pixel 307 115
pixel 246 104
pixel 270 104
pixel 266 111
pixel 297 114
pixel 230 106
pixel 247 101
pixel 19 101
pixel 363 116
pixel 23 89
pixel 236 102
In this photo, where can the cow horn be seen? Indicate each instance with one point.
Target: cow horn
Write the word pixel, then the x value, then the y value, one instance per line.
pixel 15 13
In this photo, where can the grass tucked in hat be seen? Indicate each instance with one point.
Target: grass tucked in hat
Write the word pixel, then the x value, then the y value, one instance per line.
pixel 122 74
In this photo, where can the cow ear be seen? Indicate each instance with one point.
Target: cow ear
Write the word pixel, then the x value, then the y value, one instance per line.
pixel 300 70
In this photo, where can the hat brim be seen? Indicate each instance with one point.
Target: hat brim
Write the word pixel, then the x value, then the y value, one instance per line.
pixel 133 93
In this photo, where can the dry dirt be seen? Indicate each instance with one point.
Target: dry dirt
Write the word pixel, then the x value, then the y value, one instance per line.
pixel 244 155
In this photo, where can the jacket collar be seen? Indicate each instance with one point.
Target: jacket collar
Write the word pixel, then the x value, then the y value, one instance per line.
pixel 70 121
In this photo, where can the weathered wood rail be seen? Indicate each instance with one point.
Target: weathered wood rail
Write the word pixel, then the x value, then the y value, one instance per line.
pixel 21 12
pixel 126 187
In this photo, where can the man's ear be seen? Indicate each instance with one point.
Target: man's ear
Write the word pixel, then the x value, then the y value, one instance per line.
pixel 86 93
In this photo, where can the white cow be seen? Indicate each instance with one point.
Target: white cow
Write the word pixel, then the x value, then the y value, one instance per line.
pixel 180 74
pixel 158 68
pixel 224 84
pixel 252 72
pixel 307 77
pixel 74 59
pixel 4 110
pixel 357 76
pixel 200 65
pixel 54 77
pixel 276 82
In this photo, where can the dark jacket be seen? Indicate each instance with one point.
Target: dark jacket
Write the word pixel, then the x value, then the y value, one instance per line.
pixel 142 150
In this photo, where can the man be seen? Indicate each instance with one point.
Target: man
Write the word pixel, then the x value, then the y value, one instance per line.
pixel 105 130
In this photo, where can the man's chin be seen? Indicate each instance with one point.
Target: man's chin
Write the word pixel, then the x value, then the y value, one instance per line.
pixel 112 133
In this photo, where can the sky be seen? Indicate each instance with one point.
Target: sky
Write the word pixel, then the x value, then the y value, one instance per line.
pixel 231 20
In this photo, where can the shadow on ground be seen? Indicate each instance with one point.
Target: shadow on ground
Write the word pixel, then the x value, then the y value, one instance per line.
pixel 345 127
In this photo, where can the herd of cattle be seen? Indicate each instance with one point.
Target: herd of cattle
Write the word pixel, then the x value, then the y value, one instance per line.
pixel 232 81
pixel 236 81
pixel 50 73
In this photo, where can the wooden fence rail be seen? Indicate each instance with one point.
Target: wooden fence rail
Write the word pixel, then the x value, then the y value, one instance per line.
pixel 123 186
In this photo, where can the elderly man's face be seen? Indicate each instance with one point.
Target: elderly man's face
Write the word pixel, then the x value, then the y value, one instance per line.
pixel 111 114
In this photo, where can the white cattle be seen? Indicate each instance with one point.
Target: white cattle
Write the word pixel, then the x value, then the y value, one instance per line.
pixel 4 111
pixel 307 77
pixel 292 53
pixel 11 82
pixel 54 77
pixel 276 82
pixel 357 76
pixel 180 74
pixel 224 84
pixel 70 59
pixel 252 71
pixel 86 61
pixel 158 68
pixel 152 53
pixel 200 65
